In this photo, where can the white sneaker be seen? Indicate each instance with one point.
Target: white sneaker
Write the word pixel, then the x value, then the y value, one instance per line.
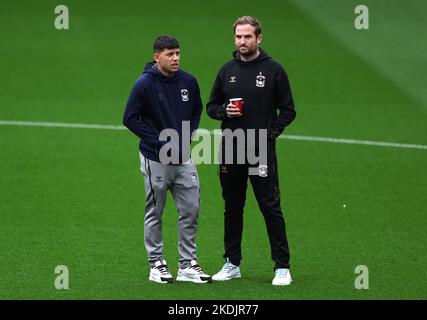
pixel 282 278
pixel 229 271
pixel 160 272
pixel 193 273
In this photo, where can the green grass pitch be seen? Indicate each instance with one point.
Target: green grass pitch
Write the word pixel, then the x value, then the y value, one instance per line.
pixel 75 197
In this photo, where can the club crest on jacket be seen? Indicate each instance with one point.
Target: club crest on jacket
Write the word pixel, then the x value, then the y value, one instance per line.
pixel 260 80
pixel 184 94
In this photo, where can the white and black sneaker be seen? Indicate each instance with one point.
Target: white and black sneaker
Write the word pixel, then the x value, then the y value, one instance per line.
pixel 193 273
pixel 160 272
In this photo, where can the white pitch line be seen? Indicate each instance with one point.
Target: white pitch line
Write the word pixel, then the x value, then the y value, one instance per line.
pixel 351 141
pixel 289 137
pixel 61 125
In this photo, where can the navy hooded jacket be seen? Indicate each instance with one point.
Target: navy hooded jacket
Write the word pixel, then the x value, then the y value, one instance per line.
pixel 159 102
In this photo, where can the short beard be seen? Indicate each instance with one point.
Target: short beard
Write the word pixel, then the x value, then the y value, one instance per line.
pixel 248 54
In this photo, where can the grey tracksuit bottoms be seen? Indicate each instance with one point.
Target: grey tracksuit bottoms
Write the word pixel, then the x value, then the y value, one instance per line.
pixel 183 182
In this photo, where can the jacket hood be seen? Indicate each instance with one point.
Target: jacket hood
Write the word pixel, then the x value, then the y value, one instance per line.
pixel 262 57
pixel 151 68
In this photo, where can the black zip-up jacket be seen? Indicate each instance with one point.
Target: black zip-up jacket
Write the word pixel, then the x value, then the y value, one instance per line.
pixel 264 86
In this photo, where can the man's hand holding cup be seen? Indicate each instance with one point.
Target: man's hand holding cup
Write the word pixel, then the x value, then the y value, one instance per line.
pixel 235 108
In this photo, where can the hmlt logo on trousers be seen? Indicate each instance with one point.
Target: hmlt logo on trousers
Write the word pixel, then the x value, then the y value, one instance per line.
pixel 193 176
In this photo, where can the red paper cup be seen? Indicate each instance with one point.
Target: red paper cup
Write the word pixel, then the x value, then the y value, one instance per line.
pixel 237 102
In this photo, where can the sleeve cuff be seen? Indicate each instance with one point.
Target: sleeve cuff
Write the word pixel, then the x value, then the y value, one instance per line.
pixel 273 133
pixel 222 114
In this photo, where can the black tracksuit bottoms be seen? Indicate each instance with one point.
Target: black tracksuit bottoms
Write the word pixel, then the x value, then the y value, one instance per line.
pixel 234 179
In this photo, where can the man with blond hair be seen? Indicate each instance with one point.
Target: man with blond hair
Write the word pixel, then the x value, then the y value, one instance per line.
pixel 262 84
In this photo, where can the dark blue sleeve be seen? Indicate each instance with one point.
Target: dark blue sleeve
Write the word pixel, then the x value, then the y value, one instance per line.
pixel 197 109
pixel 134 112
